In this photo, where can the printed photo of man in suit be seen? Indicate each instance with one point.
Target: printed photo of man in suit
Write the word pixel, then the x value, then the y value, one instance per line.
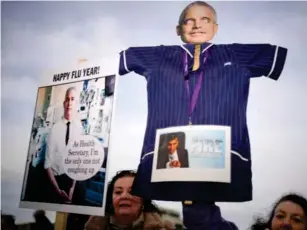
pixel 171 155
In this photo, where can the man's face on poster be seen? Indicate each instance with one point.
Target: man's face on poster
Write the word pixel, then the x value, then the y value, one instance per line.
pixel 199 25
pixel 172 145
pixel 70 104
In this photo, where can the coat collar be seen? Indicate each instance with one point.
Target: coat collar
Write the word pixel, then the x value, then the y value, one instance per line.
pixel 189 48
pixel 145 221
pixel 137 224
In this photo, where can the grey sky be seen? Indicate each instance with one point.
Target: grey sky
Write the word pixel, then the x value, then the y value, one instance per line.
pixel 44 35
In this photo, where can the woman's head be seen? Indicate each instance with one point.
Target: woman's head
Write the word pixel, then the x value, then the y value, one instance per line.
pixel 290 212
pixel 120 202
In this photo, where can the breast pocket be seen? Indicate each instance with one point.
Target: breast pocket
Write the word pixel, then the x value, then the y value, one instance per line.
pixel 224 72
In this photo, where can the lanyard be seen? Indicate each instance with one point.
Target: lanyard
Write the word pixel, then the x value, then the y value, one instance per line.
pixel 193 100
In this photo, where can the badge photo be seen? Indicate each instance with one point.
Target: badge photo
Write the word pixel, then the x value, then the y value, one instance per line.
pixel 192 153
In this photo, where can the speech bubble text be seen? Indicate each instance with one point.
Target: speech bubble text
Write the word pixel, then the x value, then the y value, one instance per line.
pixel 83 157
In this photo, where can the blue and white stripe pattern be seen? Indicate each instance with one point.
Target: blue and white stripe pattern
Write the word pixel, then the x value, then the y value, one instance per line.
pixel 222 101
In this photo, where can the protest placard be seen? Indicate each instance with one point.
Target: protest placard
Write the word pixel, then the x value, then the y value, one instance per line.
pixel 69 143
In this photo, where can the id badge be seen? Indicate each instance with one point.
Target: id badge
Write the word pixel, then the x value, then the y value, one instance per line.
pixel 194 153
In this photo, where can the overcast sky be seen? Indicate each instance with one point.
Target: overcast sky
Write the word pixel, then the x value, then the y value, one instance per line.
pixel 44 35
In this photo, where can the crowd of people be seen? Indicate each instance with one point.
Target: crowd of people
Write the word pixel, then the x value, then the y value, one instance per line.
pixel 125 211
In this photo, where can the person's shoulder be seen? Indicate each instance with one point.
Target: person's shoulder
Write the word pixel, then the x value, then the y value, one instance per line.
pixel 60 122
pixel 160 46
pixel 226 44
pixel 54 129
pixel 172 46
pixel 183 150
pixel 221 45
pixel 77 122
pixel 226 47
pixel 97 223
pixel 238 45
pixel 57 124
pixel 230 45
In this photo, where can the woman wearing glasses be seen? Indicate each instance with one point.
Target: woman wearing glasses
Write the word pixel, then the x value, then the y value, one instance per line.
pixel 124 211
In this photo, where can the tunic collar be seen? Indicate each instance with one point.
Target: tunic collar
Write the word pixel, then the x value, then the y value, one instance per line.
pixel 189 48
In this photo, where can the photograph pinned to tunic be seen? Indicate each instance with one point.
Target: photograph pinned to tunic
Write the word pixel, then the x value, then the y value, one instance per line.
pixel 66 164
pixel 192 153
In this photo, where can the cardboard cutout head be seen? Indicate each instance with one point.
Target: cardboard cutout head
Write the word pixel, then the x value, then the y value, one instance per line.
pixel 197 23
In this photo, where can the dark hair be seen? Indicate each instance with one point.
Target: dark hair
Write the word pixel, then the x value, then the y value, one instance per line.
pixel 171 136
pixel 149 206
pixel 261 224
pixel 39 213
